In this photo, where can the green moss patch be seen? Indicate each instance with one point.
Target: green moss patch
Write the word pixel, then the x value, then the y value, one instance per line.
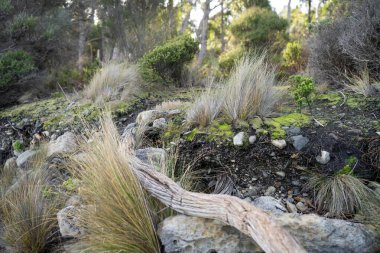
pixel 330 98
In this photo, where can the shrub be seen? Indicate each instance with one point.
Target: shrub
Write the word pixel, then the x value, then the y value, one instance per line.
pixel 22 24
pixel 110 79
pixel 29 218
pixel 303 87
pixel 347 45
pixel 205 108
pixel 14 65
pixel 117 217
pixel 292 54
pixel 228 60
pixel 165 63
pixel 250 89
pixel 342 194
pixel 18 146
pixel 257 27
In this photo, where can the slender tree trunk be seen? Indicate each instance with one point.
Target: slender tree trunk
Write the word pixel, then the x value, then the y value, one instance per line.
pixel 204 31
pixel 171 17
pixel 81 43
pixel 222 33
pixel 185 22
pixel 317 11
pixel 309 13
pixel 289 15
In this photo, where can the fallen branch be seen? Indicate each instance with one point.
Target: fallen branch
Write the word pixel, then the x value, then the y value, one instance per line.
pixel 319 123
pixel 344 98
pixel 250 220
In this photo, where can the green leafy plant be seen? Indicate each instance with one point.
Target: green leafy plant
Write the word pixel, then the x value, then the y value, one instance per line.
pixel 292 54
pixel 303 87
pixel 14 65
pixel 69 185
pixel 164 63
pixel 18 146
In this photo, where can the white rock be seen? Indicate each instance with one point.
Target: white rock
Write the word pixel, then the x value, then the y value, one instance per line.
pixel 252 139
pixel 160 123
pixel 279 143
pixel 324 158
pixel 25 158
pixel 301 206
pixel 147 117
pixel 378 133
pixel 68 222
pixel 239 139
pixel 270 190
pixel 66 143
pixel 291 207
pixel 269 204
pixel 280 173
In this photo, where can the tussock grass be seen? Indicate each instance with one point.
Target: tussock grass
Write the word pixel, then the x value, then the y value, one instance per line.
pixel 206 108
pixel 362 84
pixel 250 89
pixel 169 105
pixel 117 217
pixel 342 195
pixel 29 218
pixel 112 78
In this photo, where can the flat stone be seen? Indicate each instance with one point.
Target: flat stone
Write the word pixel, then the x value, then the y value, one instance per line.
pixel 324 158
pixel 279 143
pixel 280 173
pixel 269 204
pixel 299 142
pixel 66 143
pixel 147 117
pixel 292 131
pixel 68 222
pixel 239 139
pixel 301 206
pixel 270 191
pixel 291 207
pixel 24 159
pixel 252 139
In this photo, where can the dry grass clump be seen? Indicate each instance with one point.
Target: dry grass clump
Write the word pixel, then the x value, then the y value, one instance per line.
pixel 29 218
pixel 343 194
pixel 117 217
pixel 250 89
pixel 205 108
pixel 110 80
pixel 169 105
pixel 362 84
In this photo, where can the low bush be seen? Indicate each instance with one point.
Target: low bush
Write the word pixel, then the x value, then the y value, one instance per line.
pixel 164 63
pixel 346 46
pixel 250 89
pixel 228 60
pixel 302 87
pixel 292 55
pixel 118 216
pixel 14 65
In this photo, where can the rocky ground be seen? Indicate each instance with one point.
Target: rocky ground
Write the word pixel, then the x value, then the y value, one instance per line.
pixel 265 161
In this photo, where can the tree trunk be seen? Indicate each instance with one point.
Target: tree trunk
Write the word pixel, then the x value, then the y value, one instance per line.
pixel 289 15
pixel 204 31
pixel 222 33
pixel 250 220
pixel 317 11
pixel 81 43
pixel 185 22
pixel 309 14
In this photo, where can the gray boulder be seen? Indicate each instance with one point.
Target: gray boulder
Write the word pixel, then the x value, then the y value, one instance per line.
pixel 147 117
pixel 299 141
pixel 186 234
pixel 25 158
pixel 68 222
pixel 66 143
pixel 269 204
pixel 239 139
pixel 153 156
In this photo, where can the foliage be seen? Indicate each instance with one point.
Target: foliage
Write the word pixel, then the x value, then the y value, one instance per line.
pixel 250 89
pixel 228 60
pixel 18 146
pixel 345 47
pixel 303 87
pixel 257 27
pixel 23 24
pixel 69 185
pixel 165 62
pixel 342 194
pixel 14 65
pixel 29 218
pixel 5 6
pixel 292 54
pixel 117 216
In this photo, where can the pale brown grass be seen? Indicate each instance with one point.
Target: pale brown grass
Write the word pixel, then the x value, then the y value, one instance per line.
pixel 169 105
pixel 117 217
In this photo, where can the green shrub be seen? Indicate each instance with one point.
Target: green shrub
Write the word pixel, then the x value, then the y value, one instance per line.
pixel 14 65
pixel 165 62
pixel 257 27
pixel 292 54
pixel 5 6
pixel 228 59
pixel 22 24
pixel 303 87
pixel 18 146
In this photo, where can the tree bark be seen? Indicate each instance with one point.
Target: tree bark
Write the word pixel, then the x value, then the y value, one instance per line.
pixel 250 220
pixel 185 21
pixel 222 32
pixel 309 13
pixel 289 15
pixel 81 43
pixel 204 31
